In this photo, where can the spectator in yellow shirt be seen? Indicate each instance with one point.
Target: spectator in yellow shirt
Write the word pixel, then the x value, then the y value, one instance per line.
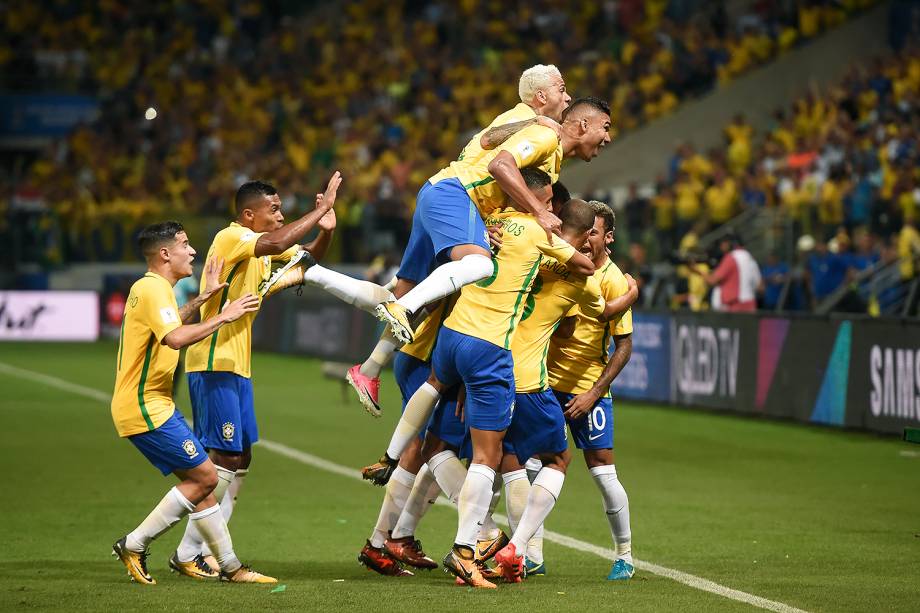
pixel 720 198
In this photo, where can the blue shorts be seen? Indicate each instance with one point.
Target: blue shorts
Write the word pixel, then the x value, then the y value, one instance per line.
pixel 538 426
pixel 446 425
pixel 224 412
pixel 172 446
pixel 594 430
pixel 444 218
pixel 485 369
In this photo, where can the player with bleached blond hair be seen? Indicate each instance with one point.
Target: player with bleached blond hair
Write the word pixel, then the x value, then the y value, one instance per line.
pixel 448 247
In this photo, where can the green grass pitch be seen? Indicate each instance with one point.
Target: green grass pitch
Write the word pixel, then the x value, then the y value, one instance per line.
pixel 816 519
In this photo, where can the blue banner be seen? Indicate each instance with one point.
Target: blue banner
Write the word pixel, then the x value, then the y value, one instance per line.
pixel 44 116
pixel 647 376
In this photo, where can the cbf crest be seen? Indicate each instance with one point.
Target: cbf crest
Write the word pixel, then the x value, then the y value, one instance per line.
pixel 189 447
pixel 228 430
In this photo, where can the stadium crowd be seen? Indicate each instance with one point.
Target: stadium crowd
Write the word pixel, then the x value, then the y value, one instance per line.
pixel 385 91
pixel 841 166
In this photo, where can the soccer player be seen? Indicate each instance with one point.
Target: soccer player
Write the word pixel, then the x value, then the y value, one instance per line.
pixel 447 228
pixel 473 347
pixel 219 371
pixel 411 487
pixel 538 425
pixel 153 330
pixel 580 374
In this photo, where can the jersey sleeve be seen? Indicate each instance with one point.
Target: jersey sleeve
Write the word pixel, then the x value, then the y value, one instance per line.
pixel 614 287
pixel 591 301
pixel 236 243
pixel 157 309
pixel 531 146
pixel 286 256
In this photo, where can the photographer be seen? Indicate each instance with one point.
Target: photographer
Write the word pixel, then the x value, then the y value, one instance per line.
pixel 735 281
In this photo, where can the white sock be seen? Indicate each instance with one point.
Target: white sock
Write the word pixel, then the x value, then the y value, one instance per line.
pixel 213 528
pixel 543 495
pixel 533 466
pixel 616 504
pixel 449 472
pixel 473 503
pixel 489 529
pixel 397 492
pixel 517 488
pixel 168 512
pixel 418 411
pixel 424 493
pixel 192 542
pixel 447 279
pixel 228 501
pixel 381 355
pixel 535 546
pixel 362 294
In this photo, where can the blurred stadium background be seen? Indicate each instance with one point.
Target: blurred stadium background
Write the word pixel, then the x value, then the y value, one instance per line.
pixel 789 126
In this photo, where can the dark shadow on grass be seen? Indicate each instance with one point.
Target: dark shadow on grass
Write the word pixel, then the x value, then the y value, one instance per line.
pixel 350 570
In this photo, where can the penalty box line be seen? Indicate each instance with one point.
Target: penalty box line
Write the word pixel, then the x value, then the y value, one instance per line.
pixel 314 461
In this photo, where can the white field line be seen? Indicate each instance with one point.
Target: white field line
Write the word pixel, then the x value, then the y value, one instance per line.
pixel 309 459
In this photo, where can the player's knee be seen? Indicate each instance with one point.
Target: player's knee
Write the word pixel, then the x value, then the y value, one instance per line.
pixel 598 457
pixel 245 459
pixel 230 461
pixel 431 447
pixel 488 455
pixel 480 264
pixel 205 479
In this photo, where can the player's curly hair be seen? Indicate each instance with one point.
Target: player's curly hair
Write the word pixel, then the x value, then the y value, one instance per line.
pixel 603 210
pixel 156 235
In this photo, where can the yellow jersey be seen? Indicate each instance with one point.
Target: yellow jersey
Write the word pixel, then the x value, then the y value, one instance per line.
pixel 535 146
pixel 229 349
pixel 576 363
pixel 426 334
pixel 556 292
pixel 144 366
pixel 491 309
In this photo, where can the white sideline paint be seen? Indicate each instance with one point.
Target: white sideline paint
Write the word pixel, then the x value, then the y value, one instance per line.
pixel 309 459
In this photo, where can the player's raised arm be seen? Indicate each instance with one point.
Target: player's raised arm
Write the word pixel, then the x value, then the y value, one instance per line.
pixel 185 335
pixel 326 223
pixel 278 241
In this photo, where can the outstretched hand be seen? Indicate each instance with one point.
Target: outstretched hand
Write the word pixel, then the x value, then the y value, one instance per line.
pixel 552 124
pixel 327 198
pixel 249 303
pixel 212 283
pixel 550 223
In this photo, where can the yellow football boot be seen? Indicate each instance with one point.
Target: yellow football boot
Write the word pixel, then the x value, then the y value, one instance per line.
pixel 135 562
pixel 244 574
pixel 486 550
pixel 397 316
pixel 460 562
pixel 289 275
pixel 196 568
